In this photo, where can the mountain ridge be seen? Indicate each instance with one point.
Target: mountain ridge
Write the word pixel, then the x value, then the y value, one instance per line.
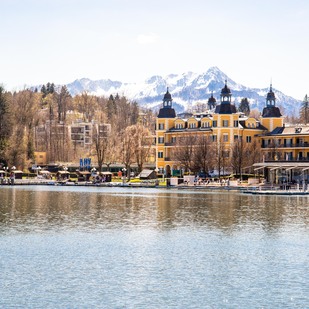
pixel 186 89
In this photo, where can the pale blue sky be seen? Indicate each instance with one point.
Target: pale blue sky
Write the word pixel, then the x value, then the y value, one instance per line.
pixel 129 40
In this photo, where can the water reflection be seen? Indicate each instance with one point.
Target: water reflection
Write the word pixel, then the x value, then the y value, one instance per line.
pixel 35 208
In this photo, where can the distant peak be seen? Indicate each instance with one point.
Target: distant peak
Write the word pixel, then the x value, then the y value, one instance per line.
pixel 154 79
pixel 214 69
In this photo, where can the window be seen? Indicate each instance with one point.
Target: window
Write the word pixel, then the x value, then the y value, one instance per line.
pixel 173 139
pixel 235 123
pixel 214 138
pixel 226 154
pixel 160 140
pixel 235 137
pixel 192 125
pixel 205 124
pixel 160 154
pixel 225 138
pixel 179 126
pixel 248 139
pixel 225 123
pixel 214 123
pixel 161 126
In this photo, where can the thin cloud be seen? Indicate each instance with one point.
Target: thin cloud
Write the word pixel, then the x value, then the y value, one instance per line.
pixel 145 39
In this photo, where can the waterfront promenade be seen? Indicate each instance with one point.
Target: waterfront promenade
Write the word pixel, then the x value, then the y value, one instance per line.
pixel 244 187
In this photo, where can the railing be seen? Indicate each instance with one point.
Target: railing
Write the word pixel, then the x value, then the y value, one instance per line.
pixel 295 145
pixel 289 160
pixel 167 159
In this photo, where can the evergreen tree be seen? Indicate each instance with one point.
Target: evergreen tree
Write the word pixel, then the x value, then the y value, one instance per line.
pixel 304 110
pixel 44 91
pixel 48 87
pixel 52 88
pixel 244 106
pixel 62 100
pixel 111 108
pixel 5 124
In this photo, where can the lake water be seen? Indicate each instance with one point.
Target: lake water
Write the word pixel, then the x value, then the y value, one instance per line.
pixel 88 247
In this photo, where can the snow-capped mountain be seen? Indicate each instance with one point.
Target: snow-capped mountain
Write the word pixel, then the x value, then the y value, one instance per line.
pixel 187 89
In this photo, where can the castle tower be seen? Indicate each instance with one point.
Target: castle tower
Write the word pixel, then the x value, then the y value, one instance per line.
pixel 225 107
pixel 271 116
pixel 165 121
pixel 167 111
pixel 212 102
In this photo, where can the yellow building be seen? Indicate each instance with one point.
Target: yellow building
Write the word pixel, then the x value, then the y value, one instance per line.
pixel 222 125
pixel 285 148
pixel 282 142
pixel 40 158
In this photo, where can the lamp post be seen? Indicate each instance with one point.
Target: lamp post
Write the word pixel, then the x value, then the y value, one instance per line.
pixel 12 176
pixel 4 179
pixel 157 180
pixel 124 175
pixel 38 170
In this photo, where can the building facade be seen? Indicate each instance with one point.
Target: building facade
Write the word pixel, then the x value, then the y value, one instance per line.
pixel 221 124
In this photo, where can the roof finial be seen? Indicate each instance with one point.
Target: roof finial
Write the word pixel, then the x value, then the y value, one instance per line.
pixel 271 84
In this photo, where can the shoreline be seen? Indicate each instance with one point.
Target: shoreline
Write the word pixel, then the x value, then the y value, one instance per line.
pixel 252 190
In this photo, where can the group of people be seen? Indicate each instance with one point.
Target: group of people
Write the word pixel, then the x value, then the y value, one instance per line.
pixel 7 180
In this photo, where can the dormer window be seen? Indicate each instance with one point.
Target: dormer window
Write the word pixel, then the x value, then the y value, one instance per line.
pixel 205 124
pixel 179 126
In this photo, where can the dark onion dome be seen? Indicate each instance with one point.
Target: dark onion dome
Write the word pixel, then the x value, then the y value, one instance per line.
pixel 225 109
pixel 167 113
pixel 212 100
pixel 225 90
pixel 271 111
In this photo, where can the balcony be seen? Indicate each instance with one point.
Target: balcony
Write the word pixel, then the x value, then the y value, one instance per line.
pixel 304 159
pixel 167 159
pixel 295 145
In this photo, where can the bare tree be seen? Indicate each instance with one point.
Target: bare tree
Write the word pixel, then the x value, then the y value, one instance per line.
pixel 222 156
pixel 142 144
pixel 253 153
pixel 127 151
pixel 87 105
pixel 25 117
pixel 203 157
pixel 238 153
pixel 184 151
pixel 101 138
